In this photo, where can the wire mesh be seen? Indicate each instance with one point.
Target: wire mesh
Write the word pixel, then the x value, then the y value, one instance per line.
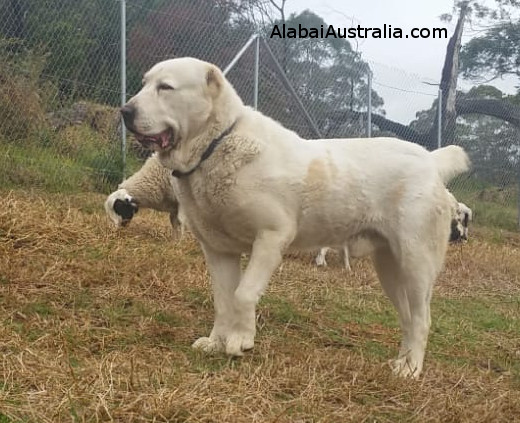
pixel 60 90
pixel 59 79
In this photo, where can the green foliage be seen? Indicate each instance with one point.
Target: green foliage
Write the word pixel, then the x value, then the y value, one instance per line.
pixel 493 145
pixel 81 50
pixel 496 53
pixel 494 148
pixel 80 44
pixel 23 97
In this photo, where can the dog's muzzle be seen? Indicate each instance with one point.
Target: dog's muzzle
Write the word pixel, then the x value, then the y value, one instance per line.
pixel 162 140
pixel 128 112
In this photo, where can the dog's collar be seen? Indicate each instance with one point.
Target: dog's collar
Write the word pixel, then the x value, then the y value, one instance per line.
pixel 208 152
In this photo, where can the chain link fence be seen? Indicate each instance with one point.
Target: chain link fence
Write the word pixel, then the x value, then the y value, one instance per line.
pixel 59 81
pixel 60 87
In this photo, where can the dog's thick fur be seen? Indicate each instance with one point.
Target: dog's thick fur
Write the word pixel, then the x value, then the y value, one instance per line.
pixel 265 190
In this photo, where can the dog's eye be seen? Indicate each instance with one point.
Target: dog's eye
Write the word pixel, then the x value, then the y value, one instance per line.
pixel 164 86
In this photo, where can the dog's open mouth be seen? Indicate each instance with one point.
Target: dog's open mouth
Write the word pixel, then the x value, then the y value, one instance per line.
pixel 163 140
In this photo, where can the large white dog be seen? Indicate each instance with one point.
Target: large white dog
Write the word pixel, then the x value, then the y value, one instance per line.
pixel 247 184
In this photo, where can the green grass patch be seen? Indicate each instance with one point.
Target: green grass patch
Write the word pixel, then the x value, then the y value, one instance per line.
pixel 5 419
pixel 495 215
pixel 466 331
pixel 26 330
pixel 202 362
pixel 77 160
pixel 43 309
pixel 121 312
pixel 198 298
pixel 81 299
pixel 166 318
pixel 40 168
pixel 363 309
pixel 282 311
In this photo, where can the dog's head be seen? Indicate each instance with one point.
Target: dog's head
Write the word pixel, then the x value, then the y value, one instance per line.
pixel 460 223
pixel 175 103
pixel 121 207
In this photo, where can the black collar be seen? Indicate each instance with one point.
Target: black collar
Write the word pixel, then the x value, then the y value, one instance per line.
pixel 209 151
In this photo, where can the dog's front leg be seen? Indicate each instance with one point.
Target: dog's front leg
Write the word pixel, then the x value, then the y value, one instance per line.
pixel 224 270
pixel 266 256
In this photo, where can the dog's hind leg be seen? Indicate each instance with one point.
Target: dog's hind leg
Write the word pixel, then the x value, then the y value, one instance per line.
pixel 346 257
pixel 408 283
pixel 225 275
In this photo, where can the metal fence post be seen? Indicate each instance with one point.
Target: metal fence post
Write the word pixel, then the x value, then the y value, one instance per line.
pixel 289 87
pixel 439 119
pixel 240 53
pixel 123 84
pixel 369 106
pixel 257 66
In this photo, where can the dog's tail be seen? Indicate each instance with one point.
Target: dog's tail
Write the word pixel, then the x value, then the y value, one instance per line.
pixel 451 161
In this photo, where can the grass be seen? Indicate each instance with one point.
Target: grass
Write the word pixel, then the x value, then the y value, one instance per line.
pixel 97 325
pixel 72 159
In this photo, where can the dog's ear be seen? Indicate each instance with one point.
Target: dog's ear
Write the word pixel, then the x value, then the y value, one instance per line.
pixel 214 80
pixel 466 220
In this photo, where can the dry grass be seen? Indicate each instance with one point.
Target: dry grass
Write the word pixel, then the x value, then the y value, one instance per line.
pixel 97 326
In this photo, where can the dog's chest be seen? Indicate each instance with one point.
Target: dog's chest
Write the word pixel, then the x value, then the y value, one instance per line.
pixel 207 205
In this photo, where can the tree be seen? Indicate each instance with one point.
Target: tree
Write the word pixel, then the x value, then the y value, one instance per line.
pixel 453 104
pixel 494 55
pixel 493 144
pixel 12 14
pixel 80 44
pixel 329 76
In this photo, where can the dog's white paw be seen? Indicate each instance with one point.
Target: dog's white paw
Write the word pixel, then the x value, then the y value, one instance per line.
pixel 405 367
pixel 320 260
pixel 207 344
pixel 237 343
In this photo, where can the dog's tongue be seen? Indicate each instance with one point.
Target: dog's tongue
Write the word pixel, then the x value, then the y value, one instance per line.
pixel 164 139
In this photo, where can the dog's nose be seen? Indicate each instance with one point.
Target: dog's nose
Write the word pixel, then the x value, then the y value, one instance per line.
pixel 128 113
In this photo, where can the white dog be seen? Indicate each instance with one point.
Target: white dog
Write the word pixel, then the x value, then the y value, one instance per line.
pixel 460 224
pixel 247 184
pixel 356 247
pixel 359 247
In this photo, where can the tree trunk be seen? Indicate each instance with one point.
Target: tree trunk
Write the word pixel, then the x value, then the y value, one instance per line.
pixel 499 109
pixel 448 85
